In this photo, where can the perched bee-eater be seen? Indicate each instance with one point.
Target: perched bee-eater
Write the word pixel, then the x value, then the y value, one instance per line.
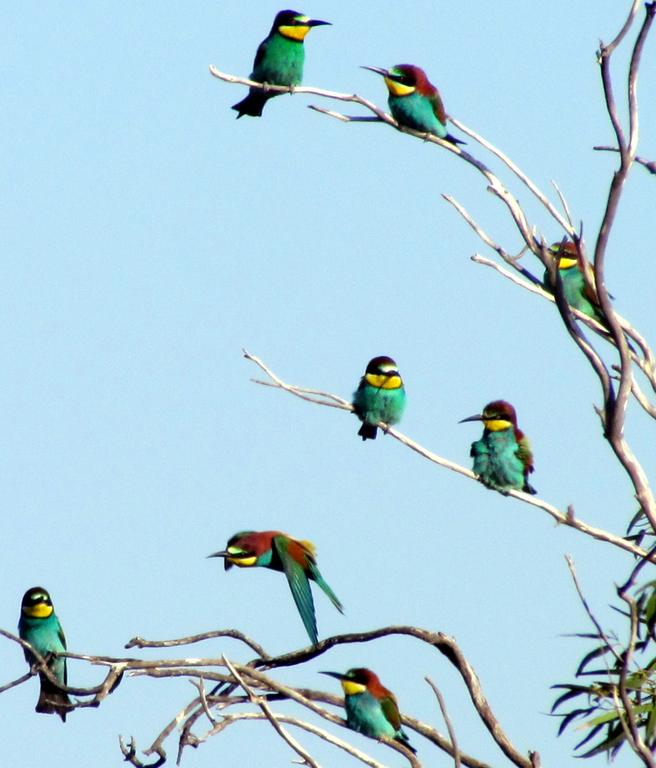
pixel 502 457
pixel 380 396
pixel 279 59
pixel 40 627
pixel 371 708
pixel 295 558
pixel 577 293
pixel 414 101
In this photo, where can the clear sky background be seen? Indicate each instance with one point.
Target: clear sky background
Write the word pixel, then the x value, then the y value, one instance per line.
pixel 148 236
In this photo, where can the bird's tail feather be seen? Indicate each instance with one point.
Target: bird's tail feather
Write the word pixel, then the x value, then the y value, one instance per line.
pixel 318 579
pixel 253 104
pixel 368 431
pixel 52 700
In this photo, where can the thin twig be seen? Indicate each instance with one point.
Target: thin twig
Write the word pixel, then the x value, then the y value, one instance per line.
pixel 519 173
pixel 600 631
pixel 140 642
pixel 650 165
pixel 273 719
pixel 447 720
pixel 288 720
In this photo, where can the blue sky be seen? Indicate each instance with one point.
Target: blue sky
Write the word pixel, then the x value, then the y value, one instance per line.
pixel 149 236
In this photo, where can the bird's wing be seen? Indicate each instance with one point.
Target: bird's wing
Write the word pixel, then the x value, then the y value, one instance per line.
pixel 316 576
pixel 524 453
pixel 438 107
pixel 391 711
pixel 60 635
pixel 261 50
pixel 478 448
pixel 288 550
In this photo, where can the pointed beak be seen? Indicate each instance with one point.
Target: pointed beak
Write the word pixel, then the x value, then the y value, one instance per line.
pixel 336 675
pixel 477 417
pixel 377 70
pixel 318 23
pixel 226 563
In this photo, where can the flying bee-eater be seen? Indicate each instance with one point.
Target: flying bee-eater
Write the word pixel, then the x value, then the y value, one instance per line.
pixel 502 457
pixel 280 552
pixel 577 292
pixel 380 396
pixel 371 709
pixel 40 627
pixel 414 101
pixel 279 59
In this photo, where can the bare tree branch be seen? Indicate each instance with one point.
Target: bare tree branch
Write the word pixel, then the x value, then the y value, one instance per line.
pixel 273 719
pixel 650 165
pixel 140 642
pixel 447 720
pixel 560 517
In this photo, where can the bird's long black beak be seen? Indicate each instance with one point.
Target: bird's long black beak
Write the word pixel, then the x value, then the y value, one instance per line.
pixel 477 417
pixel 336 675
pixel 227 565
pixel 377 70
pixel 318 23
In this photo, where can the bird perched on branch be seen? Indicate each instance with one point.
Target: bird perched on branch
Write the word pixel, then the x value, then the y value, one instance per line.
pixel 502 457
pixel 280 552
pixel 380 396
pixel 414 101
pixel 40 627
pixel 279 59
pixel 371 709
pixel 577 293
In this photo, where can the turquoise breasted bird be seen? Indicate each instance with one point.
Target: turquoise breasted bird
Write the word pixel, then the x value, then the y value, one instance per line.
pixel 279 59
pixel 414 101
pixel 40 627
pixel 371 709
pixel 280 552
pixel 502 457
pixel 380 396
pixel 575 290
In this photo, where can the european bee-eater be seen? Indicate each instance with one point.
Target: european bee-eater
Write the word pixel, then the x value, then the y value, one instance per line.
pixel 575 290
pixel 279 59
pixel 414 101
pixel 295 558
pixel 380 396
pixel 40 627
pixel 502 457
pixel 371 708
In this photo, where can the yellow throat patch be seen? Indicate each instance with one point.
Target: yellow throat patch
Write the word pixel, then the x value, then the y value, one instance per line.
pixel 384 381
pixel 566 263
pixel 237 557
pixel 496 425
pixel 39 611
pixel 398 89
pixel 294 32
pixel 351 688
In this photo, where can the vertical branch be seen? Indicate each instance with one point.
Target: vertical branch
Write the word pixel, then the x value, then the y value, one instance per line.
pixel 616 406
pixel 449 725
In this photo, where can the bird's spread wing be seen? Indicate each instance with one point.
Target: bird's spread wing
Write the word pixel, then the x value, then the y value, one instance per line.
pixel 298 581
